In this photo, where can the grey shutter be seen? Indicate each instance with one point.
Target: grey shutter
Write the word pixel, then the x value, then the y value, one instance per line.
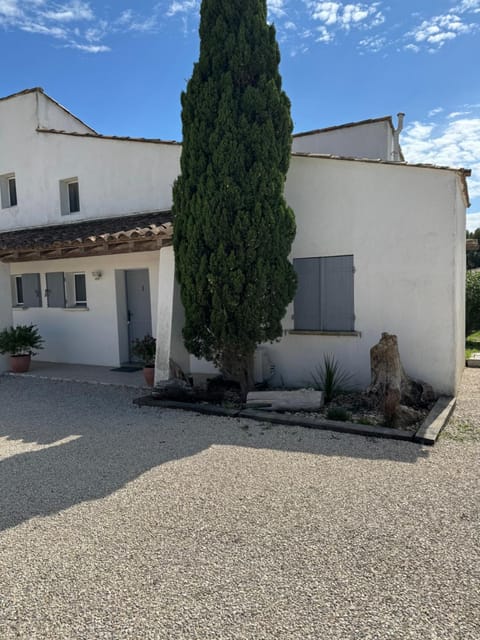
pixel 13 286
pixel 337 310
pixel 55 289
pixel 306 304
pixel 32 295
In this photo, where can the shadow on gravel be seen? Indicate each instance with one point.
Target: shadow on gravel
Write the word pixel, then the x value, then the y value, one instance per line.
pixel 94 441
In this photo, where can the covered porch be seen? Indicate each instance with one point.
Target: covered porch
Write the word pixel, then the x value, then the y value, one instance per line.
pixel 121 263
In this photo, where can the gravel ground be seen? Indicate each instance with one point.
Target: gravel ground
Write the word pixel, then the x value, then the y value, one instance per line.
pixel 127 523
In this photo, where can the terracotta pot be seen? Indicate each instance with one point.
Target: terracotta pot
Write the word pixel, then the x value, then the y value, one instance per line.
pixel 149 375
pixel 20 364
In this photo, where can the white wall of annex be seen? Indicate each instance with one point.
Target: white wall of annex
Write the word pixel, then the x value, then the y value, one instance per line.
pixel 373 140
pixel 404 227
pixel 91 336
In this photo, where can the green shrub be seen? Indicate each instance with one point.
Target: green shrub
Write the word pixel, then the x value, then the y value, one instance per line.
pixel 472 301
pixel 339 413
pixel 145 349
pixel 331 378
pixel 20 340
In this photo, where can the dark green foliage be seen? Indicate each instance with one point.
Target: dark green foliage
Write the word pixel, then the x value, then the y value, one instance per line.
pixel 20 340
pixel 472 302
pixel 339 413
pixel 331 378
pixel 145 349
pixel 233 229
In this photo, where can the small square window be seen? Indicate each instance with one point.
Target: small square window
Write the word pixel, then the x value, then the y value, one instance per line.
pixel 8 190
pixel 69 196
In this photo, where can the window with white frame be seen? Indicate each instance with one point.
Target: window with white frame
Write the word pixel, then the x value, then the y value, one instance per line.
pixel 324 299
pixel 69 196
pixel 26 291
pixel 66 290
pixel 8 190
pixel 17 291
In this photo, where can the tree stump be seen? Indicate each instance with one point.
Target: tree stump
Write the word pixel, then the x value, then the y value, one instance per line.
pixel 391 389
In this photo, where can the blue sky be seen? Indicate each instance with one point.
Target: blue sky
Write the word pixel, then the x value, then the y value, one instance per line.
pixel 121 66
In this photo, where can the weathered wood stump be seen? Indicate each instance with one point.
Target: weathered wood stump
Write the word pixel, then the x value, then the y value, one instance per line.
pixel 391 389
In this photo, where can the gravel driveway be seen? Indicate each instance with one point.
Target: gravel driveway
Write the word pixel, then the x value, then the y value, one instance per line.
pixel 118 522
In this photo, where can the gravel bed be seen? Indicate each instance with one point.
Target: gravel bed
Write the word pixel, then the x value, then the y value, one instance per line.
pixel 127 523
pixel 464 425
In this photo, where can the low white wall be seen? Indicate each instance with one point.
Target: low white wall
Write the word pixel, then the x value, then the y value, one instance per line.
pixel 86 336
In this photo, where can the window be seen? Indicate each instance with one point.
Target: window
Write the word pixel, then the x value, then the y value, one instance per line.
pixel 17 291
pixel 80 290
pixel 66 290
pixel 26 290
pixel 12 191
pixel 324 298
pixel 8 190
pixel 69 196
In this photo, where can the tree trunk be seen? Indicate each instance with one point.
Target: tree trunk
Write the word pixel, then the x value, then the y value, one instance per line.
pixel 390 387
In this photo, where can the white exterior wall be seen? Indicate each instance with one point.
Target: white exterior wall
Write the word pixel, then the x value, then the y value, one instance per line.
pixel 116 177
pixel 170 319
pixel 458 355
pixel 51 116
pixel 373 140
pixel 92 336
pixel 405 229
pixel 6 318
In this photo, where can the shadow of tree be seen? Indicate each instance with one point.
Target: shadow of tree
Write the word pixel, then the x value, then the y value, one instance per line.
pixel 62 444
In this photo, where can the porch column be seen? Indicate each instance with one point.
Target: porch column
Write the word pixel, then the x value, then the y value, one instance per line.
pixel 170 319
pixel 6 316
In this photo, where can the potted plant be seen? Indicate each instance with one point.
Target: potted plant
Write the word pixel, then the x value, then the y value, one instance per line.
pixel 144 349
pixel 20 342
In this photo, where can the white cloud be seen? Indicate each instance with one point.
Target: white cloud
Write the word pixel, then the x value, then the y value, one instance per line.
pixel 66 21
pixel 456 114
pixel 340 16
pixel 467 6
pixel 454 143
pixel 434 112
pixel 373 43
pixel 9 9
pixel 434 32
pixel 71 12
pixel 182 6
pixel 326 12
pixel 473 221
pixel 89 48
pixel 276 8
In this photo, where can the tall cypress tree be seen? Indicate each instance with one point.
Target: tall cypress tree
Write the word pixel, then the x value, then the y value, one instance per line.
pixel 232 227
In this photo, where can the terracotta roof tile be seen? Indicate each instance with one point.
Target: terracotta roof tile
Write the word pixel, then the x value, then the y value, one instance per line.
pixel 143 225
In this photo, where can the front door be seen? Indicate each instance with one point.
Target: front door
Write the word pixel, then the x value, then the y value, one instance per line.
pixel 139 313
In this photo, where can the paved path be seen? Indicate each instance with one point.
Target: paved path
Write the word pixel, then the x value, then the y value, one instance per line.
pixel 122 523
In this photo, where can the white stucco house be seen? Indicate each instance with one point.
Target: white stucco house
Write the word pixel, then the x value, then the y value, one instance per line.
pixel 86 254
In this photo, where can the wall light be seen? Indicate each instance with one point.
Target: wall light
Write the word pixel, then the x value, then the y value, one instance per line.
pixel 97 275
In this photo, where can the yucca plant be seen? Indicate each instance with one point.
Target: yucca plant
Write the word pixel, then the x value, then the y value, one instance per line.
pixel 331 378
pixel 20 340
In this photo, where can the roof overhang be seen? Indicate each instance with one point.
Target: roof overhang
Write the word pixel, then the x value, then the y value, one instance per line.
pixel 105 236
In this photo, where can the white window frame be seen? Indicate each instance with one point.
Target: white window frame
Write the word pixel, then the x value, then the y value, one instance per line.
pixel 65 196
pixel 5 198
pixel 16 302
pixel 71 291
